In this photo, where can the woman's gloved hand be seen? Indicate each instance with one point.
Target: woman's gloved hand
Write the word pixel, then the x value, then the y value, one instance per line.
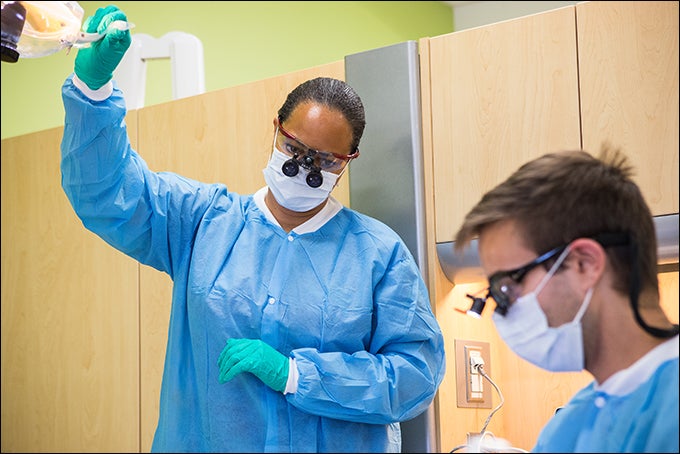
pixel 256 357
pixel 95 64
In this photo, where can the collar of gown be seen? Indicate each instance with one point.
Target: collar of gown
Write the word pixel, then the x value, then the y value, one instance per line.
pixel 627 380
pixel 312 225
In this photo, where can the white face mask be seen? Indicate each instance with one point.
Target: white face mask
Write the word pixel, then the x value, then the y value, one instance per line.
pixel 293 192
pixel 525 329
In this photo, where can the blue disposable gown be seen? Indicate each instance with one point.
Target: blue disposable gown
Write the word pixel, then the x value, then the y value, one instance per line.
pixel 633 411
pixel 346 301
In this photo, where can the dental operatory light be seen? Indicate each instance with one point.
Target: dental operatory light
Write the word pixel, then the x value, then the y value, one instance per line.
pixel 32 29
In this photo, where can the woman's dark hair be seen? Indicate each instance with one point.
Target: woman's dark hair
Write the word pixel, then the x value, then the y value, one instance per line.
pixel 333 93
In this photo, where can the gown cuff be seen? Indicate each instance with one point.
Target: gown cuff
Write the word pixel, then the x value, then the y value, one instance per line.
pixel 96 95
pixel 293 375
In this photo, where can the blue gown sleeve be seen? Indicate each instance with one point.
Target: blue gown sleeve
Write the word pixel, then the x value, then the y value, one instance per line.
pixel 114 193
pixel 397 377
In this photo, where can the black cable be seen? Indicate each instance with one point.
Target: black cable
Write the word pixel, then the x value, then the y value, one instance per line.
pixel 635 289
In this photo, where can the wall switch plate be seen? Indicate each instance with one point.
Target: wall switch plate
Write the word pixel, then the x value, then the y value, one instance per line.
pixel 472 389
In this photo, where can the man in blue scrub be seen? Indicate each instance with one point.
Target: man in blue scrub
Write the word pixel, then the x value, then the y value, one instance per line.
pixel 297 325
pixel 569 246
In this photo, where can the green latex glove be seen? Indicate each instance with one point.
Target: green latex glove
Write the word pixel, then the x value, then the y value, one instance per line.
pixel 256 357
pixel 95 64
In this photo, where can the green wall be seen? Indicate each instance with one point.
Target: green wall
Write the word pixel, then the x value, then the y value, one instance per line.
pixel 242 42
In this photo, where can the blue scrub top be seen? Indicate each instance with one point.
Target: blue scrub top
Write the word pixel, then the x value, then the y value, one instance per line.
pixel 635 410
pixel 346 301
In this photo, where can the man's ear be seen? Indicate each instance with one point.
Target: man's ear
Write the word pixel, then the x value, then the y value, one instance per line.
pixel 590 258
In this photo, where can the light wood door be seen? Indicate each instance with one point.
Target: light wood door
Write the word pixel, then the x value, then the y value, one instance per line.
pixel 70 322
pixel 628 71
pixel 501 95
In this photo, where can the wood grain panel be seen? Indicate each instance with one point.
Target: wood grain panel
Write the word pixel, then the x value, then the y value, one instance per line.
pixel 222 136
pixel 668 292
pixel 501 95
pixel 434 275
pixel 456 422
pixel 69 316
pixel 428 163
pixel 628 68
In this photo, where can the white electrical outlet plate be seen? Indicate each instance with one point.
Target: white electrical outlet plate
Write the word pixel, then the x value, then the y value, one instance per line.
pixel 472 389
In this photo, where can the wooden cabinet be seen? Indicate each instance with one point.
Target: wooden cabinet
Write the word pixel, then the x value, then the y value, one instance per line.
pixel 628 73
pixel 570 78
pixel 501 95
pixel 70 331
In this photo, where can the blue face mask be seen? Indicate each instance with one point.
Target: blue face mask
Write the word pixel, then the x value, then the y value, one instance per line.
pixel 525 329
pixel 293 192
